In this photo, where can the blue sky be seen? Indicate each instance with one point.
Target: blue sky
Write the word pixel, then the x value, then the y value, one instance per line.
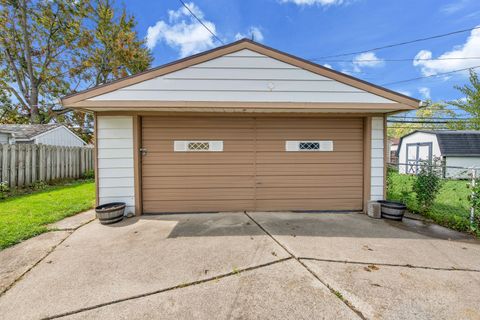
pixel 312 29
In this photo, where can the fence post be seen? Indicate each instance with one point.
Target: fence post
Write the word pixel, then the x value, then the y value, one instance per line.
pixel 5 158
pixel 13 166
pixel 21 165
pixel 28 164
pixel 473 183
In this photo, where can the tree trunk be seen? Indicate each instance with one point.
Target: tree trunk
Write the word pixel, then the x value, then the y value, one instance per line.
pixel 34 111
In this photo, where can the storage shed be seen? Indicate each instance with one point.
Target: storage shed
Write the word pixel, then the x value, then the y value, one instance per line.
pixel 455 150
pixel 240 127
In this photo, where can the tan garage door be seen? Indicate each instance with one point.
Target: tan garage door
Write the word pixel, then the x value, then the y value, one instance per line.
pixel 253 171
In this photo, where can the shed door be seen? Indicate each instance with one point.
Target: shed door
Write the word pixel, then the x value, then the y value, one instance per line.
pixel 251 164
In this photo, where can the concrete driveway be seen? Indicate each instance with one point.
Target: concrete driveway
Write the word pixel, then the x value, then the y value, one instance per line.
pixel 253 266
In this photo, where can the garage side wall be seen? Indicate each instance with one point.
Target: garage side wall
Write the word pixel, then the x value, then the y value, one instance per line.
pixel 377 159
pixel 115 160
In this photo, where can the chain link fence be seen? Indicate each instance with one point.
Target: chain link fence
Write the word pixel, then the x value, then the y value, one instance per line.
pixel 450 196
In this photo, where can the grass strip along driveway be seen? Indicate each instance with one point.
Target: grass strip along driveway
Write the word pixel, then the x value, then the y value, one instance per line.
pixel 451 207
pixel 25 216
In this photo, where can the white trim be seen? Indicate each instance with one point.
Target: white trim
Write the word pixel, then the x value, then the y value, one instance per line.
pixel 377 159
pixel 213 145
pixel 294 146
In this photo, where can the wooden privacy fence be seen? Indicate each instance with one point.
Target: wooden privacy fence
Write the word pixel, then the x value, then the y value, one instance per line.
pixel 24 164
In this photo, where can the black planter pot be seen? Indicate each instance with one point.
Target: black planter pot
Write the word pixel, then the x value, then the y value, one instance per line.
pixel 392 210
pixel 110 212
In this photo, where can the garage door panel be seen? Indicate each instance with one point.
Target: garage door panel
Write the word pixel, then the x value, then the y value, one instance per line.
pixel 197 122
pixel 197 182
pixel 309 204
pixel 170 170
pixel 228 145
pixel 309 134
pixel 150 206
pixel 199 158
pixel 309 123
pixel 201 194
pixel 307 193
pixel 309 157
pixel 197 134
pixel 308 169
pixel 310 181
pixel 279 145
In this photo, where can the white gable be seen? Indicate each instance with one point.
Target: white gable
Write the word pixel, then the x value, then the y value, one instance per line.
pixel 243 76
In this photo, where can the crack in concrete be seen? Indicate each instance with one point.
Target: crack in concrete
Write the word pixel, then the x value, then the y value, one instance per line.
pixel 390 265
pixel 332 290
pixel 71 231
pixel 180 286
pixel 35 264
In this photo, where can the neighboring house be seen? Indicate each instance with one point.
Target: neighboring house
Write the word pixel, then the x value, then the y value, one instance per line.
pixel 393 149
pixel 453 149
pixel 48 134
pixel 240 127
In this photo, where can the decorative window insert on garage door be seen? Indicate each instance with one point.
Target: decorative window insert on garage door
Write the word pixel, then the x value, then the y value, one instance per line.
pixel 306 146
pixel 197 146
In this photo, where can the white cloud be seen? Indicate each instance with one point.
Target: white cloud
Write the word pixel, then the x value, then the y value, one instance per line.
pixel 329 66
pixel 367 59
pixel 315 2
pixel 454 7
pixel 255 31
pixel 182 31
pixel 425 92
pixel 471 48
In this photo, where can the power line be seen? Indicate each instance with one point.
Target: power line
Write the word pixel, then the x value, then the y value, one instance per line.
pixel 201 22
pixel 429 118
pixel 396 60
pixel 428 122
pixel 400 43
pixel 430 76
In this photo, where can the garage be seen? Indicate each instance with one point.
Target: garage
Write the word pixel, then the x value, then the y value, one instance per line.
pixel 204 164
pixel 240 127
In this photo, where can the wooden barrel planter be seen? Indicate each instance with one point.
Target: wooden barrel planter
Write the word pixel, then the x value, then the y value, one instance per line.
pixel 110 212
pixel 392 210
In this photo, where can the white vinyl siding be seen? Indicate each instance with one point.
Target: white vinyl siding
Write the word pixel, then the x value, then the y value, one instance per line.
pixel 464 162
pixel 244 76
pixel 377 159
pixel 60 136
pixel 115 160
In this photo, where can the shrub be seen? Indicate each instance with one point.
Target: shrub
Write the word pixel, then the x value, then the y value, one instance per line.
pixel 90 174
pixel 426 186
pixel 4 189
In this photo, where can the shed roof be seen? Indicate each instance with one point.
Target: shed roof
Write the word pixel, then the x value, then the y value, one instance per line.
pixel 465 143
pixel 27 131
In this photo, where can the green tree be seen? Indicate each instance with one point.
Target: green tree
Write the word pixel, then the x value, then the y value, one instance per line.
pixel 117 50
pixel 431 111
pixel 471 102
pixel 52 48
pixel 40 45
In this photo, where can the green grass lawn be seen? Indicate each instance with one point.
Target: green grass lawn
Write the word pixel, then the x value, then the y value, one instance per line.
pixel 25 216
pixel 451 207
